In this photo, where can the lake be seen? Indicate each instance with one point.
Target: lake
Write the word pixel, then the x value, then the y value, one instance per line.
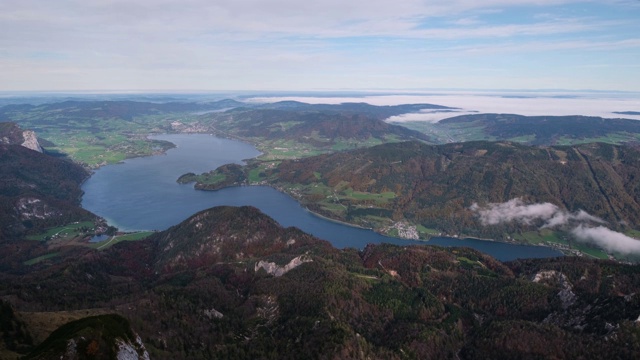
pixel 142 194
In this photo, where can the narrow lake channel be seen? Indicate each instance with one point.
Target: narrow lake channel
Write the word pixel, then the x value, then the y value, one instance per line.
pixel 142 194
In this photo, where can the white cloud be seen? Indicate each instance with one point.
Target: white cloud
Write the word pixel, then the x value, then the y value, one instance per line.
pixel 468 102
pixel 553 217
pixel 607 239
pixel 398 43
pixel 516 210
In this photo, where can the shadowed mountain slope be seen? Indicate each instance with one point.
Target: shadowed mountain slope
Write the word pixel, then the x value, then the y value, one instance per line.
pixel 233 284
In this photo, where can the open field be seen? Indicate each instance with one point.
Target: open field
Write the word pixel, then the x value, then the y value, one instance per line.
pixel 559 240
pixel 119 238
pixel 65 232
pixel 41 258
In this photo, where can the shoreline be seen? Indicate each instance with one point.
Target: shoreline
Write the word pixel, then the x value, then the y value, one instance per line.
pixel 425 240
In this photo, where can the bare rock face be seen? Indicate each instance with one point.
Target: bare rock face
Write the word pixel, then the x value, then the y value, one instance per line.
pixel 12 134
pixel 277 271
pixel 31 141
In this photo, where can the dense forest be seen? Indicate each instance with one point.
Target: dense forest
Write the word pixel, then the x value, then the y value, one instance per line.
pixel 437 186
pixel 547 130
pixel 37 190
pixel 231 283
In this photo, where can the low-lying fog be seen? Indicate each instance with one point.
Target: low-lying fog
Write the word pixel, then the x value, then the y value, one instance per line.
pixel 523 103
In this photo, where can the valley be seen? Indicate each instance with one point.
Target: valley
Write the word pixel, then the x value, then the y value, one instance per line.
pixel 236 282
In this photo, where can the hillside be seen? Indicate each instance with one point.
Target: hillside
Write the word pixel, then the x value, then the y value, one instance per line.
pixel 532 130
pixel 91 109
pixel 96 337
pixel 372 111
pixel 435 187
pixel 277 293
pixel 38 191
pixel 96 133
pixel 296 133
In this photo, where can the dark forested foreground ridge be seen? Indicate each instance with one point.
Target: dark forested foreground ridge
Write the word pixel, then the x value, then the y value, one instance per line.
pixel 231 283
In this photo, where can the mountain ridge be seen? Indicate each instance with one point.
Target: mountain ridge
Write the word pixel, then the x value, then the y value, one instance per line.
pixel 447 188
pixel 385 301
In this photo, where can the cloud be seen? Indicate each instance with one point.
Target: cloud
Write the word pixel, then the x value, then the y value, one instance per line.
pixel 607 239
pixel 523 103
pixel 516 210
pixel 432 116
pixel 554 217
pixel 330 44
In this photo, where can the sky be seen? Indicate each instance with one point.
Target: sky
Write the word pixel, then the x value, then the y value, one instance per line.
pixel 293 45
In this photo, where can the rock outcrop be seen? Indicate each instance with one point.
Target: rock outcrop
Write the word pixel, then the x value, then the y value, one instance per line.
pixel 12 134
pixel 31 141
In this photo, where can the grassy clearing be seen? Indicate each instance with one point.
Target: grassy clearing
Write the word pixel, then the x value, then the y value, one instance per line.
pixel 285 149
pixel 41 258
pixel 285 125
pixel 427 231
pixel 612 138
pixel 64 232
pixel 525 139
pixel 358 195
pixel 99 141
pixel 541 237
pixel 119 238
pixel 549 237
pixel 256 175
pixel 633 233
pixel 338 209
pixel 210 179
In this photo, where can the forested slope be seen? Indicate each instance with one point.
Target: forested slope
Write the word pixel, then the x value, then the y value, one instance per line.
pixel 230 283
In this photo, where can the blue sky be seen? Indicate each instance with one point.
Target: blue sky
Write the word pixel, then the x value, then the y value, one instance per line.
pixel 322 45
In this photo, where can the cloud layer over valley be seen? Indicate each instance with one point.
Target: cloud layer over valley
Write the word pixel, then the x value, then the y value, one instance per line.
pixel 580 224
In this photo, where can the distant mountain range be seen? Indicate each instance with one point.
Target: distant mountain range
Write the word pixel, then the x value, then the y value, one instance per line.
pixel 533 130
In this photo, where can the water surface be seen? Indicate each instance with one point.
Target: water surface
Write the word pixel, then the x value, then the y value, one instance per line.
pixel 142 194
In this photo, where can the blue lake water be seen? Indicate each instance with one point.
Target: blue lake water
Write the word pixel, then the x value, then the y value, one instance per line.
pixel 142 194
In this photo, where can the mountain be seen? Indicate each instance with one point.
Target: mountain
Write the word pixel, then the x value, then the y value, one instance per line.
pixel 540 130
pixel 436 187
pixel 230 283
pixel 306 132
pixel 12 134
pixel 37 190
pixel 373 111
pixel 96 337
pixel 13 332
pixel 224 234
pixel 91 109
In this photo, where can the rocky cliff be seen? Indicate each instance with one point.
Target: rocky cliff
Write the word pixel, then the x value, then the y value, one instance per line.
pixel 12 134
